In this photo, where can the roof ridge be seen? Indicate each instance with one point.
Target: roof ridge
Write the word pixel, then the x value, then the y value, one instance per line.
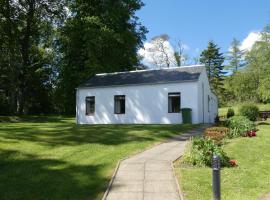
pixel 145 70
pixel 174 74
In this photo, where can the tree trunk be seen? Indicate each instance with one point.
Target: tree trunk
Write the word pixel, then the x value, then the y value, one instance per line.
pixel 25 44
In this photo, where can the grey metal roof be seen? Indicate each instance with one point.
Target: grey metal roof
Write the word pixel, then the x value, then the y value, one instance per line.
pixel 170 75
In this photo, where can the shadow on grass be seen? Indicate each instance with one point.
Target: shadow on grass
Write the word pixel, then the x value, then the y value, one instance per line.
pixel 25 176
pixel 263 123
pixel 35 119
pixel 33 176
pixel 72 134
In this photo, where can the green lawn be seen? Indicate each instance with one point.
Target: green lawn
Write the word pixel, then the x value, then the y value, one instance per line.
pixel 223 111
pixel 249 181
pixel 53 158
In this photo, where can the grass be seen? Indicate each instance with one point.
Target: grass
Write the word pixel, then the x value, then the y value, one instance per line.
pixel 53 158
pixel 250 180
pixel 223 111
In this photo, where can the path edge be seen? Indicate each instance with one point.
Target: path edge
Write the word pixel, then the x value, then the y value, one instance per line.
pixel 121 160
pixel 117 167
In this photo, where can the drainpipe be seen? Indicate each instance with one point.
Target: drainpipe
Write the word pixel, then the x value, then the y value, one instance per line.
pixel 203 100
pixel 77 106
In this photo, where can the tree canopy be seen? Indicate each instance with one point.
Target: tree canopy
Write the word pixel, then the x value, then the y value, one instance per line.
pixel 48 47
pixel 213 60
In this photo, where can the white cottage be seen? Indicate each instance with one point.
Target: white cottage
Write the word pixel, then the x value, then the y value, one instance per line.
pixel 146 97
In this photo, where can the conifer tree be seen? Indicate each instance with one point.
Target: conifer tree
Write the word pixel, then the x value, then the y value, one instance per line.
pixel 235 56
pixel 213 61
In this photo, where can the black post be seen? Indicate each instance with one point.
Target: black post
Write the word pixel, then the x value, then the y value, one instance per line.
pixel 216 177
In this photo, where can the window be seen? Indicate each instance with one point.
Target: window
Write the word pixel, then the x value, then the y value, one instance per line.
pixel 90 105
pixel 119 104
pixel 174 102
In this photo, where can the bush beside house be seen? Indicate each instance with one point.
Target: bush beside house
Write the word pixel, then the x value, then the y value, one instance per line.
pixel 201 150
pixel 249 111
pixel 230 112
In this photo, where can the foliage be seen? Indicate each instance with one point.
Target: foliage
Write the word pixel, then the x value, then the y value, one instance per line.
pixel 250 111
pixel 216 133
pixel 252 156
pixel 258 59
pixel 99 36
pixel 27 55
pixel 47 48
pixel 213 61
pixel 217 120
pixel 241 87
pixel 201 152
pixel 235 56
pixel 264 89
pixel 230 112
pixel 239 125
pixel 251 84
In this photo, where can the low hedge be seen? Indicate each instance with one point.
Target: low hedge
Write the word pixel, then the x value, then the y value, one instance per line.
pixel 250 111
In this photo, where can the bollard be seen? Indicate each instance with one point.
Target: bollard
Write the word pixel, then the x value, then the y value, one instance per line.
pixel 216 177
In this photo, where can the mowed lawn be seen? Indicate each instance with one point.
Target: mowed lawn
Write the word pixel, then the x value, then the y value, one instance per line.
pixel 223 111
pixel 249 181
pixel 53 158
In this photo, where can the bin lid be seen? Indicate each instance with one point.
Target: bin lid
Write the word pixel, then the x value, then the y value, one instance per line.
pixel 186 109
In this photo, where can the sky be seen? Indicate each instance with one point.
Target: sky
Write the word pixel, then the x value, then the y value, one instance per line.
pixel 195 22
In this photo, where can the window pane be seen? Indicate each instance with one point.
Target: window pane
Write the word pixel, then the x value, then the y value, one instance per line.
pixel 119 104
pixel 90 105
pixel 174 102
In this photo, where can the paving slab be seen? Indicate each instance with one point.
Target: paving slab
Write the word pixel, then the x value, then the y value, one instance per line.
pixel 149 175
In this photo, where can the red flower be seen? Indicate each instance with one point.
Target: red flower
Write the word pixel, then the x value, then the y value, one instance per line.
pixel 233 163
pixel 253 134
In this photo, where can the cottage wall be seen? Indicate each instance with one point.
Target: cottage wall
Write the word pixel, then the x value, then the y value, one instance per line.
pixel 145 104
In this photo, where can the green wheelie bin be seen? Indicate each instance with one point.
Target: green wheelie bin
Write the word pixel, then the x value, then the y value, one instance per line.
pixel 186 115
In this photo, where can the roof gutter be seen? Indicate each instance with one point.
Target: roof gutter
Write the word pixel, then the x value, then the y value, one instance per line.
pixel 141 84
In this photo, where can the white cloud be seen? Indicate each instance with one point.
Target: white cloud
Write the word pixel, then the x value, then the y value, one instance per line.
pixel 250 40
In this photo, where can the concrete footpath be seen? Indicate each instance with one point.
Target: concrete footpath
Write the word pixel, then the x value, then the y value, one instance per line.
pixel 149 175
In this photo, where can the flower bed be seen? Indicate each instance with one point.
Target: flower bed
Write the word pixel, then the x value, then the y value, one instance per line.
pixel 201 151
pixel 216 133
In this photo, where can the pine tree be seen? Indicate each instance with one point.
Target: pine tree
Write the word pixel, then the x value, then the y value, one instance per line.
pixel 213 61
pixel 235 56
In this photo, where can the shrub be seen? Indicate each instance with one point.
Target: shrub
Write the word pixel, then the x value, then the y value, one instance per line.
pixel 217 120
pixel 230 112
pixel 216 133
pixel 239 126
pixel 250 111
pixel 201 152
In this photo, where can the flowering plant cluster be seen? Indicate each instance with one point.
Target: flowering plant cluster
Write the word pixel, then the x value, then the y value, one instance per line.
pixel 251 133
pixel 233 163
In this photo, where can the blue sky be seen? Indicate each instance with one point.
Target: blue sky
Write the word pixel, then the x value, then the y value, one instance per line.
pixel 196 22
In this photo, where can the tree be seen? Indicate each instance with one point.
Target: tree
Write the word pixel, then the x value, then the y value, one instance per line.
pixel 213 61
pixel 235 56
pixel 179 54
pixel 158 52
pixel 241 87
pixel 26 29
pixel 98 37
pixel 258 60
